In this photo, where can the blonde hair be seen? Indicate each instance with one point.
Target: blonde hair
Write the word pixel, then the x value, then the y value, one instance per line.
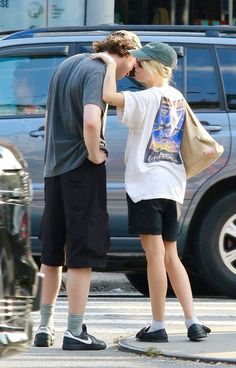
pixel 154 66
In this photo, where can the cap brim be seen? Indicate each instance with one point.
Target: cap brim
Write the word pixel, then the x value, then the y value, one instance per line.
pixel 139 54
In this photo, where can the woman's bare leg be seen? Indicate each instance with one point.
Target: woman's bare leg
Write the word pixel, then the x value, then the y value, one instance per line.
pixel 157 279
pixel 179 279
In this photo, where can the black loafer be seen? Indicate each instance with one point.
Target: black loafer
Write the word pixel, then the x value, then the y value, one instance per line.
pixel 198 332
pixel 154 336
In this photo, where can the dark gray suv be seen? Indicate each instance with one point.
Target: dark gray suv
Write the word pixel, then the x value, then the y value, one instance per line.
pixel 206 75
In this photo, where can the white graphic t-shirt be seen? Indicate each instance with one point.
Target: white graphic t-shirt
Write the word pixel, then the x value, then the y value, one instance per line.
pixel 154 167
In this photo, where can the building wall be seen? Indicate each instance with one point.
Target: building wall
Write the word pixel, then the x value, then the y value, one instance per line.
pixel 20 14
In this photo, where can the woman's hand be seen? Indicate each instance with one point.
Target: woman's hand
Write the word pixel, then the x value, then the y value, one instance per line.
pixel 104 57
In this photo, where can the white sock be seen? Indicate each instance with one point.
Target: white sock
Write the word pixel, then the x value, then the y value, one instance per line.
pixel 191 321
pixel 156 325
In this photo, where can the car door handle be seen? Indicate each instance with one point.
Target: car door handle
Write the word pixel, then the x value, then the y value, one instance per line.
pixel 38 133
pixel 211 127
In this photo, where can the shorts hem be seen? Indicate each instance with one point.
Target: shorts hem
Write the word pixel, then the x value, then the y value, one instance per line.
pixel 149 232
pixel 145 232
pixel 88 263
pixel 52 264
pixel 170 240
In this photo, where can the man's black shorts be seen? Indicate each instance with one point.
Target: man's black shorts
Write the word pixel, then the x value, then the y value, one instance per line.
pixel 154 217
pixel 74 228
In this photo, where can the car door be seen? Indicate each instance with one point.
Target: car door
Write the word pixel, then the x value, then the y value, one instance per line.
pixel 25 74
pixel 198 77
pixel 226 57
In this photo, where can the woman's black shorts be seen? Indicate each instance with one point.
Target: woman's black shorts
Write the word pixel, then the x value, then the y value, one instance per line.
pixel 154 217
pixel 74 228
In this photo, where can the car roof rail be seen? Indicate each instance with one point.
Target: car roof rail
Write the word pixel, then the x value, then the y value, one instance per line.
pixel 8 33
pixel 210 31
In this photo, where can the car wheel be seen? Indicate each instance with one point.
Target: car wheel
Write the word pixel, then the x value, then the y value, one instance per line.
pixel 216 246
pixel 139 281
pixel 199 287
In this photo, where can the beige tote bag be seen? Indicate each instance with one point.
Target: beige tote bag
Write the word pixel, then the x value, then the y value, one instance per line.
pixel 198 149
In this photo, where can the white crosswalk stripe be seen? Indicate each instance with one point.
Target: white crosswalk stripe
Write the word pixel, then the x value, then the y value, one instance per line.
pixel 129 314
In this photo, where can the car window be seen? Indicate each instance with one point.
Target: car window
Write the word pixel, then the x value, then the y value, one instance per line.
pixel 128 84
pixel 227 59
pixel 177 79
pixel 24 83
pixel 202 89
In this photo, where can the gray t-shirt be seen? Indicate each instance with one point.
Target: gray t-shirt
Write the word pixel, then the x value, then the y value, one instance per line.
pixel 77 81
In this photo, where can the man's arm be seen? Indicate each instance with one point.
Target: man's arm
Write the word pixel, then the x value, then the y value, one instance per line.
pixel 92 130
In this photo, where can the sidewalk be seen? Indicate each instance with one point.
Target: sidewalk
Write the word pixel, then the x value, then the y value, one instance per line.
pixel 217 347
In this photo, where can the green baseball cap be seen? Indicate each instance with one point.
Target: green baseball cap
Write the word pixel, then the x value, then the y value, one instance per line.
pixel 159 51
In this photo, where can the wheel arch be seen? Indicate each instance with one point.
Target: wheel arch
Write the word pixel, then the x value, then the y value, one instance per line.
pixel 213 194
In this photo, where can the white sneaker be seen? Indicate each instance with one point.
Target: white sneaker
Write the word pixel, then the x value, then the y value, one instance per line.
pixel 44 337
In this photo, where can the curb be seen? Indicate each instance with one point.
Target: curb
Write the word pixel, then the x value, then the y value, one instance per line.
pixel 131 345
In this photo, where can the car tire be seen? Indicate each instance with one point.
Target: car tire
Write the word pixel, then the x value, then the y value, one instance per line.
pixel 199 287
pixel 139 281
pixel 216 245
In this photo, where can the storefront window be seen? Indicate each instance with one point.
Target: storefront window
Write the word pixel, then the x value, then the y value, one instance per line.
pixel 147 12
pixel 198 12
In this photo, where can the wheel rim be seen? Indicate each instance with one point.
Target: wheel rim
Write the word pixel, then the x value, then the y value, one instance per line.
pixel 227 244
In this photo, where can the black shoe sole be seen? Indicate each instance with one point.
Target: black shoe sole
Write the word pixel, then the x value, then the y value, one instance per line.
pixel 197 337
pixel 82 347
pixel 151 340
pixel 41 342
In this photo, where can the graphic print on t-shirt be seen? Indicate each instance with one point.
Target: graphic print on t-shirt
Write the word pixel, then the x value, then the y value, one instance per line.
pixel 167 132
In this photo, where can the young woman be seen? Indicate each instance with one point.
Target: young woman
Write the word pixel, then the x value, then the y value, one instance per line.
pixel 155 178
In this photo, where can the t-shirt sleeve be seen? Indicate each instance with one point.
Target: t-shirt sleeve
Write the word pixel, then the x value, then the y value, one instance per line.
pixel 135 108
pixel 93 90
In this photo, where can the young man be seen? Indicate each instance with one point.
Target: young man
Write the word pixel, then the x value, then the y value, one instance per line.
pixel 75 221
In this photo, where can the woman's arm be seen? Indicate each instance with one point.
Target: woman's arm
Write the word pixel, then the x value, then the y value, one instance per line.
pixel 109 93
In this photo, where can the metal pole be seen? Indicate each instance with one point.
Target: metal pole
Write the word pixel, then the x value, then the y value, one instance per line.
pixel 172 12
pixel 230 11
pixel 186 12
pixel 46 14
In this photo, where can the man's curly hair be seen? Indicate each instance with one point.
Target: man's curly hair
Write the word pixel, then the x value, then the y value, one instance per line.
pixel 119 43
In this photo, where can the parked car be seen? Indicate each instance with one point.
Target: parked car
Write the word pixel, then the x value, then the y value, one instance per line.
pixel 206 75
pixel 20 282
